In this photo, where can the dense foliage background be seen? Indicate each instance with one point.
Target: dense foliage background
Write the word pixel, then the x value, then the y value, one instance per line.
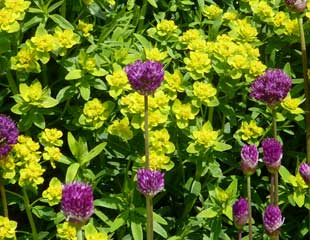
pixel 63 81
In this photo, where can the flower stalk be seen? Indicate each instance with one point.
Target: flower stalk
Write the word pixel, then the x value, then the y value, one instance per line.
pixel 4 201
pixel 248 178
pixel 29 215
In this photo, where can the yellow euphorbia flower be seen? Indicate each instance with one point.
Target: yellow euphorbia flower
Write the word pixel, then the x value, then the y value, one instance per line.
pixel 292 104
pixel 121 128
pixel 31 94
pixel 54 192
pixel 66 231
pixel 7 228
pixel 166 27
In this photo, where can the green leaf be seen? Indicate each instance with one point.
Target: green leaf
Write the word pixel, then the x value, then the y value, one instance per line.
pixel 92 153
pixel 287 176
pixel 109 202
pixel 153 3
pixel 38 120
pixel 299 198
pixel 207 213
pixel 136 230
pixel 61 21
pixel 160 230
pixel 119 221
pixel 196 188
pixel 85 91
pixel 221 147
pixel 73 145
pixel 103 217
pixel 159 219
pixel 72 172
pixel 43 212
pixel 74 74
pixel 233 187
pixel 144 42
pixel 54 6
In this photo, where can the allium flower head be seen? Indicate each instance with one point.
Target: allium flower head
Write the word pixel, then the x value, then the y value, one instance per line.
pixel 77 202
pixel 272 154
pixel 297 5
pixel 304 170
pixel 8 135
pixel 249 158
pixel 241 212
pixel 145 77
pixel 150 182
pixel 271 87
pixel 272 219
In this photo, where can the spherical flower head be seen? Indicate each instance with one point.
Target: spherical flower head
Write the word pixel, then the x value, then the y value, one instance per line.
pixel 297 5
pixel 272 219
pixel 145 77
pixel 241 212
pixel 150 182
pixel 271 87
pixel 249 158
pixel 77 202
pixel 272 154
pixel 304 170
pixel 8 135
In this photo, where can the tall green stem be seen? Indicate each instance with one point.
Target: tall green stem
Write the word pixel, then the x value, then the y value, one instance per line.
pixel 306 90
pixel 146 132
pixel 239 234
pixel 29 215
pixel 4 201
pixel 248 178
pixel 149 224
pixel 306 85
pixel 142 15
pixel 149 200
pixel 79 234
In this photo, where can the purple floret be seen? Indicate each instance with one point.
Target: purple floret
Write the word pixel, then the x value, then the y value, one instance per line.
pixel 8 135
pixel 150 182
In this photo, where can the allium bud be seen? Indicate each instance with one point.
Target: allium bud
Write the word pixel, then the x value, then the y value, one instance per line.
pixel 150 182
pixel 77 202
pixel 297 5
pixel 272 219
pixel 240 212
pixel 304 170
pixel 249 158
pixel 8 135
pixel 271 87
pixel 272 154
pixel 145 77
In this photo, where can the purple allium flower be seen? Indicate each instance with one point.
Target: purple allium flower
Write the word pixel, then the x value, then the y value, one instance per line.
pixel 271 87
pixel 77 202
pixel 249 158
pixel 272 154
pixel 150 182
pixel 297 5
pixel 304 170
pixel 241 212
pixel 8 135
pixel 272 219
pixel 145 77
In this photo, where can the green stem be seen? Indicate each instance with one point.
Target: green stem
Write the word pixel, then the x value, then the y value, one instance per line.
pixel 248 178
pixel 306 85
pixel 210 114
pixel 149 223
pixel 79 234
pixel 44 75
pixel 274 122
pixel 29 215
pixel 11 81
pixel 239 234
pixel 146 132
pixel 4 201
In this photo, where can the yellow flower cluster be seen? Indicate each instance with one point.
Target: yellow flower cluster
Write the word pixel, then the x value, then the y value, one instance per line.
pixel 121 128
pixel 184 112
pixel 97 236
pixel 95 113
pixel 27 156
pixel 7 168
pixel 66 231
pixel 166 27
pixel 85 28
pixel 235 59
pixel 159 142
pixel 249 131
pixel 52 154
pixel 292 104
pixel 7 228
pixel 51 137
pixel 206 94
pixel 198 63
pixel 242 30
pixel 12 12
pixel 173 83
pixel 40 45
pixel 118 82
pixel 205 136
pixel 212 11
pixel 54 192
pixel 263 10
pixel 190 35
pixel 31 94
pixel 155 55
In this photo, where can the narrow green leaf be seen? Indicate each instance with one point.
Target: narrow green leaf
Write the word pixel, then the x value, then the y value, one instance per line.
pixel 207 213
pixel 136 230
pixel 61 21
pixel 72 172
pixel 153 3
pixel 73 145
pixel 119 221
pixel 74 74
pixel 92 153
pixel 160 230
